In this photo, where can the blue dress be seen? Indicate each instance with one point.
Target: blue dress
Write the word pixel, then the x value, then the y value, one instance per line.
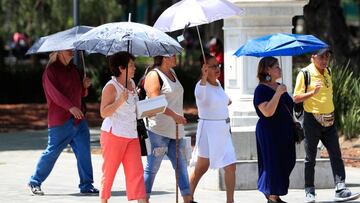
pixel 275 143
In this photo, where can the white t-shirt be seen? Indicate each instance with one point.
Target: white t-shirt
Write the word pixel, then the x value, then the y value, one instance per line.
pixel 122 122
pixel 212 101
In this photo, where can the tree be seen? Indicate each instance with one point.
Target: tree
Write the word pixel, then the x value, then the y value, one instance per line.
pixel 43 17
pixel 325 19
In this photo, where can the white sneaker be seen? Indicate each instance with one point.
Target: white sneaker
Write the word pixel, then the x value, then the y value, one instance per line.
pixel 345 195
pixel 309 198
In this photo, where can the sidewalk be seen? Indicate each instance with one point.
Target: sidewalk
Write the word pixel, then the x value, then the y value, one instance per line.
pixel 19 153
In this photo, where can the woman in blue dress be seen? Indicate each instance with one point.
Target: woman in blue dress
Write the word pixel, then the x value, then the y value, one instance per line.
pixel 274 131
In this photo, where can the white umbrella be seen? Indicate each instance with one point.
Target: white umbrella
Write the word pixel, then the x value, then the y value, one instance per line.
pixel 58 41
pixel 189 13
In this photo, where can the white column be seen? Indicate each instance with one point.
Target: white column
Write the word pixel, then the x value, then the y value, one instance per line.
pixel 260 18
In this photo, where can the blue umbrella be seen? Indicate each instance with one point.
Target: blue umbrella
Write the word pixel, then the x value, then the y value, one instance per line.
pixel 59 41
pixel 280 44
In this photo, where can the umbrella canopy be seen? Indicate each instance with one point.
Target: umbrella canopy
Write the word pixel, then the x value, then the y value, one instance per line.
pixel 138 39
pixel 194 13
pixel 280 44
pixel 59 41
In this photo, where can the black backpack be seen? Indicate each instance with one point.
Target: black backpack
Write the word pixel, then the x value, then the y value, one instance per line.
pixel 299 107
pixel 140 86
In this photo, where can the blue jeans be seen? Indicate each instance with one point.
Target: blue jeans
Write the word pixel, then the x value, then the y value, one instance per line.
pixel 161 146
pixel 78 136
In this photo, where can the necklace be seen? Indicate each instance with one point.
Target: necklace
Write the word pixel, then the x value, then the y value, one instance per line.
pixel 122 86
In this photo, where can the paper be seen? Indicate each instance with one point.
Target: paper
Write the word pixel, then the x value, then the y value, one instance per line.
pixel 150 107
pixel 180 38
pixel 148 146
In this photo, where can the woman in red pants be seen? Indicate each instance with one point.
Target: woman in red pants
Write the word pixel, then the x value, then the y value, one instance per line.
pixel 119 140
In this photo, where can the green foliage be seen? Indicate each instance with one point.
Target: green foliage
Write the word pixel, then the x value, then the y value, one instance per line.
pixel 39 18
pixel 346 100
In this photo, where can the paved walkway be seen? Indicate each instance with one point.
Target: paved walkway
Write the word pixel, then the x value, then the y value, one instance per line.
pixel 19 153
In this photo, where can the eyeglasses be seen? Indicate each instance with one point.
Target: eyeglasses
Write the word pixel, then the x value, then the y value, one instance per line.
pixel 214 66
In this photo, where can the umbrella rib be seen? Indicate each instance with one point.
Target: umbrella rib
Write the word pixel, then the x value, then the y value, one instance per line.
pixel 112 43
pixel 94 45
pixel 80 43
pixel 147 48
pixel 165 49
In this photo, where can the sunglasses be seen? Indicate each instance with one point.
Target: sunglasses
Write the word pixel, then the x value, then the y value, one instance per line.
pixel 214 66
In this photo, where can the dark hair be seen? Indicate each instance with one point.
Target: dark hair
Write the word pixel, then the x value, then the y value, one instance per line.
pixel 157 62
pixel 264 63
pixel 207 57
pixel 120 59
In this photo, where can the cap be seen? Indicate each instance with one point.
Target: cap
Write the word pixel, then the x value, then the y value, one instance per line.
pixel 323 51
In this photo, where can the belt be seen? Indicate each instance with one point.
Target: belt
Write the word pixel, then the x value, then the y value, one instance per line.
pixel 227 120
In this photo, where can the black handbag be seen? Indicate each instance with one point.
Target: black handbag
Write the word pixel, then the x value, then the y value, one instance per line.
pixel 299 132
pixel 142 135
pixel 298 129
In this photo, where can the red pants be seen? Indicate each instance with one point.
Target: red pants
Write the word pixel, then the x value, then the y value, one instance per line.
pixel 117 150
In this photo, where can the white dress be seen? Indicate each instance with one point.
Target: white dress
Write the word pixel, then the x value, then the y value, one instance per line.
pixel 213 137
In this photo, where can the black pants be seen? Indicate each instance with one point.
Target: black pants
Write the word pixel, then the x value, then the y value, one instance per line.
pixel 314 132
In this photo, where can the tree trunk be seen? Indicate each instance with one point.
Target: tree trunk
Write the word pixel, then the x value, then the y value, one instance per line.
pixel 325 19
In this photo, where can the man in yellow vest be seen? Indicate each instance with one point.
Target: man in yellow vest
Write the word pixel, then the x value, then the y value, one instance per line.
pixel 318 123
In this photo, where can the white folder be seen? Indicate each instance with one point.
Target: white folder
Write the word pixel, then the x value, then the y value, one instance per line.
pixel 150 107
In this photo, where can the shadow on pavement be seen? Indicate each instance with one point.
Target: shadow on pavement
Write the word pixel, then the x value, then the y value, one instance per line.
pixel 25 140
pixel 113 193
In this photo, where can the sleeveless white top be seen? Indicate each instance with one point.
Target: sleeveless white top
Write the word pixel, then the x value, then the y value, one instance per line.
pixel 163 124
pixel 122 122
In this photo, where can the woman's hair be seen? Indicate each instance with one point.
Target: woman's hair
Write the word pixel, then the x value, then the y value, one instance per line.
pixel 53 56
pixel 157 62
pixel 120 59
pixel 264 63
pixel 207 57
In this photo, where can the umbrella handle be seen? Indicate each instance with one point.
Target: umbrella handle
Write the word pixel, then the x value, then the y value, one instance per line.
pixel 177 162
pixel 202 49
pixel 282 72
pixel 83 62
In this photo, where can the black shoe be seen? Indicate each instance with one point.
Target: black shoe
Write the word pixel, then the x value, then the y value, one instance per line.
pixel 90 191
pixel 192 201
pixel 35 189
pixel 278 200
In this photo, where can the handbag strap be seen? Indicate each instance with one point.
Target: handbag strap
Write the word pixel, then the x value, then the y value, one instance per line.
pixel 292 117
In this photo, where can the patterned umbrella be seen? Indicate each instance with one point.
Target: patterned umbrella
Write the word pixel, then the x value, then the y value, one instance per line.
pixel 135 38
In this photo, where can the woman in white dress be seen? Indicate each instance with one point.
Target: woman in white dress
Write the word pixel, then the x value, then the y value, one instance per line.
pixel 214 147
